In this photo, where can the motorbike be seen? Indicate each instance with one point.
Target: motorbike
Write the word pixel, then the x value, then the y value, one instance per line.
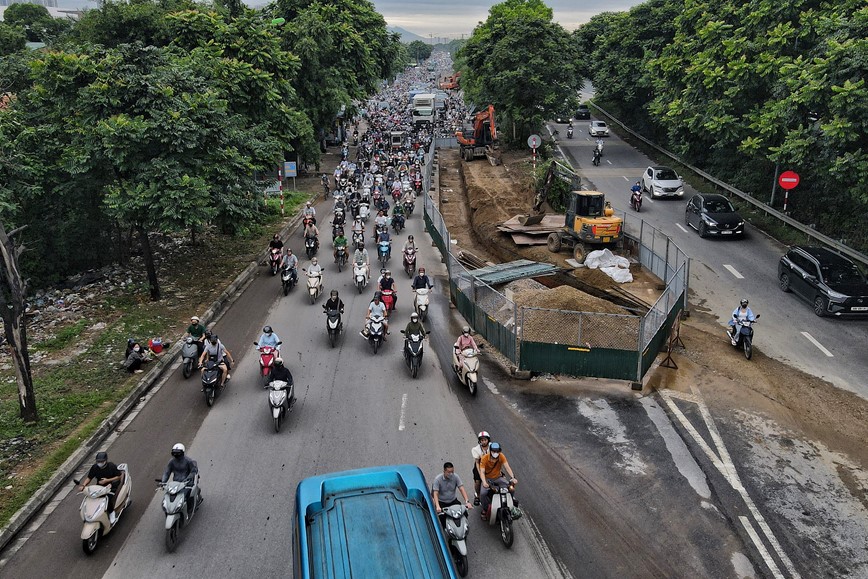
pixel 280 400
pixel 211 381
pixel 468 372
pixel 456 527
pixel 376 332
pixel 744 339
pixel 409 206
pixel 341 256
pixel 420 302
pixel 94 514
pixel 397 222
pixel 503 511
pixel 274 260
pixel 389 297
pixel 364 211
pixel 189 355
pixel 311 245
pixel 360 277
pixel 334 325
pixel 410 261
pixel 314 286
pixel 384 251
pixel 179 508
pixel 596 159
pixel 599 147
pixel 570 132
pixel 339 215
pixel 413 350
pixel 288 277
pixel 267 354
pixel 358 237
pixel 307 220
pixel 325 186
pixel 636 200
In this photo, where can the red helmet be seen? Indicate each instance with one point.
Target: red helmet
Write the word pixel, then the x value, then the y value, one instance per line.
pixel 483 434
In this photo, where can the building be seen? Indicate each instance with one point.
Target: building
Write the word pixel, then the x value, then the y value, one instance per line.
pixel 46 3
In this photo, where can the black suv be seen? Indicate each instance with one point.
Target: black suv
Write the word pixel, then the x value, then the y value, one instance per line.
pixel 828 280
pixel 583 112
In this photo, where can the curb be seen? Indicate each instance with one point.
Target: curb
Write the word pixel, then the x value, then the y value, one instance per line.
pixel 87 448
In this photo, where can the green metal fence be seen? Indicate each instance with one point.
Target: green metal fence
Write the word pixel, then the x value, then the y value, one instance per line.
pixel 578 360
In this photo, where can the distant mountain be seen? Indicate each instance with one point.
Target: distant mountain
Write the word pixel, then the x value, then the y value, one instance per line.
pixel 406 36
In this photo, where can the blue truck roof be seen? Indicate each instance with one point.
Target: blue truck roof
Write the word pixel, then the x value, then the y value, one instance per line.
pixel 371 522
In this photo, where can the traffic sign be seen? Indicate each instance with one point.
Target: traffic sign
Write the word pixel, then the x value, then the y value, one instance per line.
pixel 534 141
pixel 788 179
pixel 290 168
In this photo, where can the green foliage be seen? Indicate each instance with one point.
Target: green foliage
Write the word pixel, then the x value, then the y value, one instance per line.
pixel 419 51
pixel 12 39
pixel 63 337
pixel 523 63
pixel 33 19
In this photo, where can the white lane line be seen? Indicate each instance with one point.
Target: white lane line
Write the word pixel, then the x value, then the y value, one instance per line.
pixel 818 344
pixel 608 161
pixel 681 227
pixel 754 536
pixel 625 178
pixel 733 271
pixel 402 423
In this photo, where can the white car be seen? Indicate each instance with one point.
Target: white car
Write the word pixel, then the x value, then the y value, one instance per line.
pixel 598 129
pixel 662 182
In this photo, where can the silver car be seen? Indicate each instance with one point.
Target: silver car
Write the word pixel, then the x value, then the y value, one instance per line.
pixel 662 182
pixel 598 129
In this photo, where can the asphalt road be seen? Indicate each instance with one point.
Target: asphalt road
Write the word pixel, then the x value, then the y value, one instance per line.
pixel 725 270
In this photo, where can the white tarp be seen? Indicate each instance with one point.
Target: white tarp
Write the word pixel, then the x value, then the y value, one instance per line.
pixel 616 267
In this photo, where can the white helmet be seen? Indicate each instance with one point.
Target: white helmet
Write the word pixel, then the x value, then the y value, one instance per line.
pixel 178 450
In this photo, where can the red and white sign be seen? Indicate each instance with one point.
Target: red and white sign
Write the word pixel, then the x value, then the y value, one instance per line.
pixel 788 180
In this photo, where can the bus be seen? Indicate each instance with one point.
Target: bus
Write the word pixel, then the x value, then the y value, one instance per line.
pixel 371 522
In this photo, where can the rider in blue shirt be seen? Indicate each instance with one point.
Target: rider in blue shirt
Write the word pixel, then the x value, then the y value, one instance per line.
pixel 269 338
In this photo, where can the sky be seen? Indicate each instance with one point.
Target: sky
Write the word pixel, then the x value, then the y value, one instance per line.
pixel 453 18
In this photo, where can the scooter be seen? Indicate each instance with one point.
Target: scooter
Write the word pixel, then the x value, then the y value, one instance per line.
pixel 189 355
pixel 211 381
pixel 267 354
pixel 97 520
pixel 420 302
pixel 341 256
pixel 397 222
pixel 413 351
pixel 376 331
pixel 569 132
pixel 409 206
pixel 456 528
pixel 364 211
pixel 503 511
pixel 384 251
pixel 636 200
pixel 288 277
pixel 311 245
pixel 178 507
pixel 596 159
pixel 274 260
pixel 744 339
pixel 360 276
pixel 410 261
pixel 334 325
pixel 468 372
pixel 358 237
pixel 314 286
pixel 280 400
pixel 389 297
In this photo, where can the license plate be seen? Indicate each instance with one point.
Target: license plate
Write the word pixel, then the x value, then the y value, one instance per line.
pixel 859 309
pixel 726 232
pixel 607 239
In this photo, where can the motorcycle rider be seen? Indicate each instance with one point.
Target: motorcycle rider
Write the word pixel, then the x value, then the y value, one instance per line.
pixel 182 468
pixel 414 326
pixel 325 184
pixel 269 338
pixel 421 280
pixel 339 241
pixel 196 330
pixel 311 231
pixel 309 211
pixel 275 243
pixel 104 473
pixel 597 155
pixel 409 244
pixel 376 308
pixel 478 452
pixel 387 282
pixel 443 490
pixel 739 314
pixel 215 350
pixel 465 340
pixel 314 269
pixel 491 467
pixel 334 302
pixel 281 372
pixel 381 220
pixel 289 260
pixel 361 257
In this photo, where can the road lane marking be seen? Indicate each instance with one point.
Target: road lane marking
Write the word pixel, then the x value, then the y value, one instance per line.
pixel 625 178
pixel 608 161
pixel 402 423
pixel 754 536
pixel 681 227
pixel 818 344
pixel 733 271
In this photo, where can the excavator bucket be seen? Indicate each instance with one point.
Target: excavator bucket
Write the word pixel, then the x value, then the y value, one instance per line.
pixel 493 155
pixel 531 219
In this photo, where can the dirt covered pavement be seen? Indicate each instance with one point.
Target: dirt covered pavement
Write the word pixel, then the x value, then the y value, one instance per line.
pixel 797 442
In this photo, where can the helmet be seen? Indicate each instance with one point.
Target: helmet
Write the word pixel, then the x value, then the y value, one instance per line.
pixel 377 295
pixel 267 330
pixel 744 302
pixel 194 319
pixel 307 204
pixel 334 294
pixel 465 330
pixel 278 361
pixel 288 251
pixel 495 447
pixel 178 450
pixel 483 434
pixel 214 338
pixel 102 456
pixel 360 246
pixel 314 261
pixel 410 238
pixel 414 317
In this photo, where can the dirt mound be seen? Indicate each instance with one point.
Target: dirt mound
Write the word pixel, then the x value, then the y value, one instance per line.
pixel 566 298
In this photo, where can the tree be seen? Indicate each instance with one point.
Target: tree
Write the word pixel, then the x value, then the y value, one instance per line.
pixel 522 62
pixel 12 39
pixel 419 50
pixel 32 18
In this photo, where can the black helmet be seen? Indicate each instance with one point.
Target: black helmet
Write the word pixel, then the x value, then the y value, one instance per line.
pixel 267 329
pixel 102 456
pixel 744 302
pixel 377 295
pixel 214 339
pixel 278 361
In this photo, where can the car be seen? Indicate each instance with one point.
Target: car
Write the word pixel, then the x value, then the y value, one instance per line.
pixel 662 182
pixel 598 129
pixel 712 214
pixel 563 117
pixel 830 282
pixel 583 113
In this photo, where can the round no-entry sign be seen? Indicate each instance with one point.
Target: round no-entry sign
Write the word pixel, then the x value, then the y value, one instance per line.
pixel 534 141
pixel 788 179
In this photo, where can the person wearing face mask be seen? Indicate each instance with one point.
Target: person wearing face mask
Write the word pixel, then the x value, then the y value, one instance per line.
pixel 135 358
pixel 491 467
pixel 445 489
pixel 478 452
pixel 104 473
pixel 464 341
pixel 215 350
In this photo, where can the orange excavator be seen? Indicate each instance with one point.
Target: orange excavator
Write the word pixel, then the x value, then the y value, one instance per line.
pixel 451 82
pixel 483 143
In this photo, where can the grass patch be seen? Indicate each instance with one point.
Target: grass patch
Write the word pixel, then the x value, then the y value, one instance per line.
pixel 63 337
